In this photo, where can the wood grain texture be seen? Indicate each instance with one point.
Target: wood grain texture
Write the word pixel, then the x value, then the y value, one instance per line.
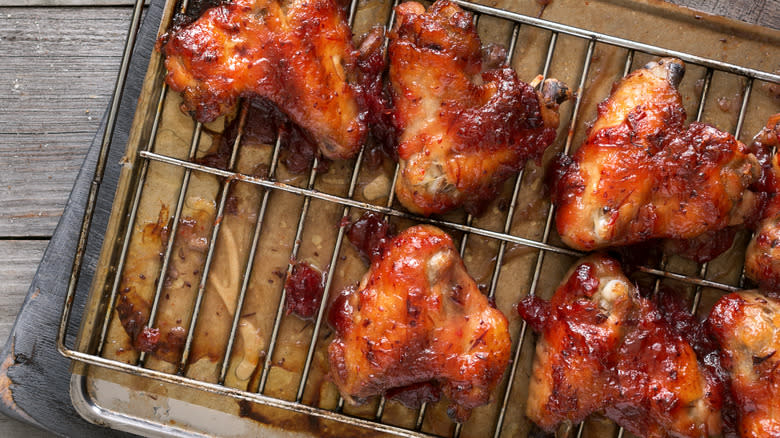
pixel 57 72
pixel 761 12
pixel 18 262
pixel 10 428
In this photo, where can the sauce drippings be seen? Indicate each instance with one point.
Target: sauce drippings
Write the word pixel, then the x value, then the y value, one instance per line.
pixel 369 234
pixel 304 290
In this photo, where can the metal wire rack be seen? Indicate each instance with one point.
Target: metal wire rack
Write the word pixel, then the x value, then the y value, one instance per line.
pixel 348 202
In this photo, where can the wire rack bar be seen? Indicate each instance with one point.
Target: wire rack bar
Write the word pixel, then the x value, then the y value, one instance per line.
pixel 259 222
pixel 519 180
pixel 293 257
pixel 665 258
pixel 100 167
pixel 620 42
pixel 309 193
pixel 290 265
pixel 737 131
pixel 441 223
pixel 130 221
pixel 212 244
pixel 546 235
pixel 214 388
pixel 185 183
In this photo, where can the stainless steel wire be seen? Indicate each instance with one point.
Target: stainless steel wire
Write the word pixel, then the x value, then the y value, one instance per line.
pixel 309 193
pixel 737 131
pixel 545 237
pixel 224 190
pixel 249 263
pixel 665 258
pixel 185 183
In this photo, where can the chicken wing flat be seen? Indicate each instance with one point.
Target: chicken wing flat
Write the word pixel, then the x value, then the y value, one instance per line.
pixel 747 325
pixel 296 53
pixel 642 175
pixel 462 131
pixel 603 348
pixel 417 316
pixel 762 258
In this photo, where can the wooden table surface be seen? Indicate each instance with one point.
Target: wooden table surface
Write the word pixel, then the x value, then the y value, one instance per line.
pixel 58 63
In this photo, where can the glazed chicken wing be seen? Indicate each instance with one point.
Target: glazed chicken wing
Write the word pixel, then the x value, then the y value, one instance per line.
pixel 747 325
pixel 762 258
pixel 463 131
pixel 417 316
pixel 296 53
pixel 603 348
pixel 642 175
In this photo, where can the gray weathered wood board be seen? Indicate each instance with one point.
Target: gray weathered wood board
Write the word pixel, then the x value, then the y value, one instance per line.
pixel 18 261
pixel 57 71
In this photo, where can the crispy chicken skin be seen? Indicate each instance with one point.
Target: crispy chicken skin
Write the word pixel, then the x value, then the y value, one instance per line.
pixel 462 130
pixel 604 348
pixel 417 316
pixel 762 258
pixel 747 325
pixel 641 174
pixel 296 53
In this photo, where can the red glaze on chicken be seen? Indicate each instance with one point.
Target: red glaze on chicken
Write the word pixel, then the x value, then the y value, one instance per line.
pixel 296 53
pixel 762 258
pixel 603 348
pixel 747 325
pixel 641 174
pixel 417 316
pixel 463 131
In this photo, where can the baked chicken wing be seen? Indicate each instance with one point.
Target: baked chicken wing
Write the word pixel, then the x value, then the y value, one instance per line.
pixel 462 130
pixel 417 316
pixel 747 325
pixel 296 53
pixel 641 174
pixel 762 258
pixel 603 348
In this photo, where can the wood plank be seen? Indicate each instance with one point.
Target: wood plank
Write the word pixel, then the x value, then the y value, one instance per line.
pixel 60 66
pixel 36 178
pixel 18 262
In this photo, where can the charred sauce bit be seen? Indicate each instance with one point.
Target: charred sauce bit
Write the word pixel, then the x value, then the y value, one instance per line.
pixel 369 234
pixel 303 289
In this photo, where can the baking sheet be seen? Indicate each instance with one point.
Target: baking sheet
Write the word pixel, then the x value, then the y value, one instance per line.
pixel 173 139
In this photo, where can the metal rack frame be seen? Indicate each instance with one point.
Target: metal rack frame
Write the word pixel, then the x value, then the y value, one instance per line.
pixel 347 203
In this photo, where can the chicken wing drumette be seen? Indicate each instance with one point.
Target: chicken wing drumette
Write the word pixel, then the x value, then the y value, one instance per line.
pixel 296 53
pixel 603 348
pixel 642 175
pixel 762 259
pixel 417 316
pixel 463 131
pixel 747 325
